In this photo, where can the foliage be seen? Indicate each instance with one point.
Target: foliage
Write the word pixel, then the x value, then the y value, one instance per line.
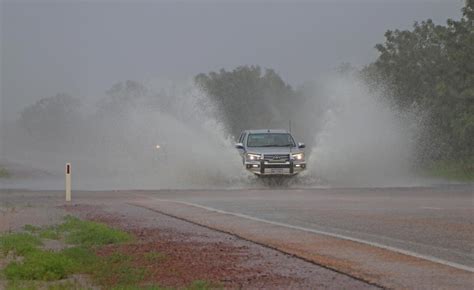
pixel 154 257
pixel 51 233
pixel 51 117
pixel 122 96
pixel 431 68
pixel 40 265
pixel 112 271
pixel 35 285
pixel 84 258
pixel 453 170
pixel 89 233
pixel 19 243
pixel 117 269
pixel 247 98
pixel 4 173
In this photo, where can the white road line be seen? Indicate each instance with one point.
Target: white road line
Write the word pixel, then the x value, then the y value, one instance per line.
pixel 431 207
pixel 374 244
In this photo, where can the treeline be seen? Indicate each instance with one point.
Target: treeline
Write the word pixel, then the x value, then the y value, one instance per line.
pixel 248 97
pixel 430 70
pixel 58 116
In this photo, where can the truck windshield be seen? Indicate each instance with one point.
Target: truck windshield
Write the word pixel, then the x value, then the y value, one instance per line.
pixel 270 140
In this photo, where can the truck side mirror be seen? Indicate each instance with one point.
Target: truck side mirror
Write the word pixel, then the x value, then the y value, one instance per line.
pixel 239 145
pixel 301 145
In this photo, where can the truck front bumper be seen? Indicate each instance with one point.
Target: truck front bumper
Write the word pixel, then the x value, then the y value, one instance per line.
pixel 265 168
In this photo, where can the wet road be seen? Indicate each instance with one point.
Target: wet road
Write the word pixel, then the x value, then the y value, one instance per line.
pixel 436 222
pixel 321 225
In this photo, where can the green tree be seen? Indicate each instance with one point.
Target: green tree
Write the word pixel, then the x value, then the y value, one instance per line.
pixel 248 98
pixel 432 68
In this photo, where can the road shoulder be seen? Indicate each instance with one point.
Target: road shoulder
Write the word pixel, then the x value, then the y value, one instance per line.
pixel 371 264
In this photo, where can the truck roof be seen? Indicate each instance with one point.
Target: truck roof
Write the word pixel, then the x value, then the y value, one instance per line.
pixel 266 131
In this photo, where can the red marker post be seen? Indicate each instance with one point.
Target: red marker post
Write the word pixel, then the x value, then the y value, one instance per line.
pixel 68 181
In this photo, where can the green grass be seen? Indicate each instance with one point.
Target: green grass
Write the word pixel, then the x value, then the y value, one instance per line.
pixel 201 285
pixel 154 257
pixel 196 285
pixel 116 271
pixel 452 170
pixel 35 285
pixel 84 258
pixel 87 233
pixel 40 265
pixel 4 173
pixel 51 233
pixel 19 243
pixel 31 228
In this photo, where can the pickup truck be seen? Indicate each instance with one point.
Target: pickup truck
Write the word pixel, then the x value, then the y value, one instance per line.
pixel 271 152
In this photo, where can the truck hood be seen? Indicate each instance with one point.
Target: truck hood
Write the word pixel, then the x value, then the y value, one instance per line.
pixel 273 150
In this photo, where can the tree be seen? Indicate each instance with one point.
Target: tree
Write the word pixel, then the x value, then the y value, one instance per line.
pixel 432 68
pixel 247 98
pixel 122 96
pixel 50 117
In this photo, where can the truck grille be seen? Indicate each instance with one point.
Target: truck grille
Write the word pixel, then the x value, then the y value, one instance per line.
pixel 279 158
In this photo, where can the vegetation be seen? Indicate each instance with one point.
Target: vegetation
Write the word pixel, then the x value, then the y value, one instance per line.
pixel 452 170
pixel 19 243
pixel 35 285
pixel 4 173
pixel 112 271
pixel 51 117
pixel 430 69
pixel 87 233
pixel 40 265
pixel 247 96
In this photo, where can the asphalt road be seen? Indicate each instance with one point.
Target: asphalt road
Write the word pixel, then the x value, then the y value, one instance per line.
pixel 432 223
pixel 435 222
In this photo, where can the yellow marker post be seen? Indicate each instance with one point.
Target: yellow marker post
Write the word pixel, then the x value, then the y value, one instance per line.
pixel 68 181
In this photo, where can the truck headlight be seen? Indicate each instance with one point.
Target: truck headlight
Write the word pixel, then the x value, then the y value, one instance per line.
pixel 252 157
pixel 298 156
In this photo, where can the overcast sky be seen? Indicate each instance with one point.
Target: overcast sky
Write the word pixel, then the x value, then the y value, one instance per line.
pixel 82 48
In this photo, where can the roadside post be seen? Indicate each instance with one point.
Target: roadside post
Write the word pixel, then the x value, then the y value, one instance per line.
pixel 68 181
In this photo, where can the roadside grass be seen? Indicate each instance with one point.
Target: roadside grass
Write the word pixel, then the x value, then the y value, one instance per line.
pixel 87 233
pixel 19 243
pixel 452 170
pixel 4 173
pixel 196 285
pixel 40 265
pixel 35 267
pixel 35 285
pixel 51 233
pixel 154 257
pixel 117 269
pixel 85 260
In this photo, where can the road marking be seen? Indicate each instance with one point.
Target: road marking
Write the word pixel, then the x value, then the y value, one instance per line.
pixel 374 244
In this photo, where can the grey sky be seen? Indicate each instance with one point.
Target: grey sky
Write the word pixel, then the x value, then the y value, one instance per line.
pixel 82 48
